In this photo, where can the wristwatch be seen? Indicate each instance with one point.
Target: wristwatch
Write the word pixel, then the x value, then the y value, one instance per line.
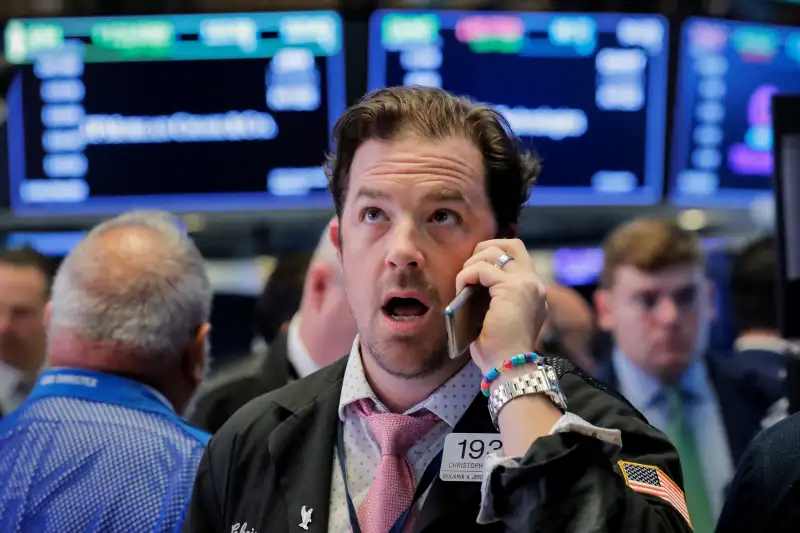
pixel 543 380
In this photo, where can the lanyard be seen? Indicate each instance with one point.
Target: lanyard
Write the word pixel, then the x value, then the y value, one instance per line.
pixel 100 387
pixel 427 478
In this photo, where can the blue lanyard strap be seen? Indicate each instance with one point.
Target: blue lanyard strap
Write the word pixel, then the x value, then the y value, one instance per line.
pixel 427 478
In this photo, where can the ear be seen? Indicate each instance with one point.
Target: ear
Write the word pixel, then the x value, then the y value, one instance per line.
pixel 48 311
pixel 195 354
pixel 605 318
pixel 334 235
pixel 318 279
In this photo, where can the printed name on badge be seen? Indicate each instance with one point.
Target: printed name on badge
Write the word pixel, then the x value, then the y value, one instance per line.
pixel 463 455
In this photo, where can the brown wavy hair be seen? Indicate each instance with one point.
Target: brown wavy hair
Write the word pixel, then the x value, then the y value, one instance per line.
pixel 386 114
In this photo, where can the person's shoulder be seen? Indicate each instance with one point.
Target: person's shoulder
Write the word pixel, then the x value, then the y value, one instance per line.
pixel 247 372
pixel 227 393
pixel 783 433
pixel 260 416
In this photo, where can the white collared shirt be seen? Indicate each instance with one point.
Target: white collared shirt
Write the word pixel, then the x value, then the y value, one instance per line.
pixel 11 385
pixel 449 402
pixel 296 350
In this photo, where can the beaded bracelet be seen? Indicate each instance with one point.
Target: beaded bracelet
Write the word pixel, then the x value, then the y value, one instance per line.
pixel 516 360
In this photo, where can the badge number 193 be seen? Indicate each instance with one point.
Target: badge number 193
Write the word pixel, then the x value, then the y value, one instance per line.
pixel 464 454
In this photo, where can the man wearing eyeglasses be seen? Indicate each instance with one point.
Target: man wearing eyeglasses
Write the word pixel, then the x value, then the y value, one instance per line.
pixel 657 303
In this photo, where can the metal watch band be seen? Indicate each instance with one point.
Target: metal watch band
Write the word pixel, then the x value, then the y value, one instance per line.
pixel 543 380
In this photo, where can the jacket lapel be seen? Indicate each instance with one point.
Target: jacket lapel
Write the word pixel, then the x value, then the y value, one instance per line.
pixel 447 497
pixel 301 448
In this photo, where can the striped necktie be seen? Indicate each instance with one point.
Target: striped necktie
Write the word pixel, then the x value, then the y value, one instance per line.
pixel 680 432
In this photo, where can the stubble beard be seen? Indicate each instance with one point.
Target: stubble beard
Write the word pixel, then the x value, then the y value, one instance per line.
pixel 407 358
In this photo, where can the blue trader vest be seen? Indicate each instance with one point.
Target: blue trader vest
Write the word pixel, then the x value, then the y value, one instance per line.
pixel 94 452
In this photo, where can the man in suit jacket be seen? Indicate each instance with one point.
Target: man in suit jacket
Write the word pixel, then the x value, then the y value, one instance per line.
pixel 428 188
pixel 317 335
pixel 759 351
pixel 657 302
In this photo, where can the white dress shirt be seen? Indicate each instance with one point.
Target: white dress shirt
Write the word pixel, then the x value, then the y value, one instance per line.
pixel 12 388
pixel 449 402
pixel 296 350
pixel 703 415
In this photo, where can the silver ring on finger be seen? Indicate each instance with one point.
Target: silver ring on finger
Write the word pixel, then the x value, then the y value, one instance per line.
pixel 504 259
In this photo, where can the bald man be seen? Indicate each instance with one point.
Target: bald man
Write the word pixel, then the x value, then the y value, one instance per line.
pixel 99 444
pixel 569 327
pixel 318 334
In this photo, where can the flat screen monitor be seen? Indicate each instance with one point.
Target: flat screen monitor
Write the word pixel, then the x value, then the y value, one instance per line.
pixel 786 130
pixel 586 91
pixel 187 112
pixel 722 139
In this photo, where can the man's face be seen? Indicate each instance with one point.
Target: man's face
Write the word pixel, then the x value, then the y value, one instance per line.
pixel 659 320
pixel 23 296
pixel 414 212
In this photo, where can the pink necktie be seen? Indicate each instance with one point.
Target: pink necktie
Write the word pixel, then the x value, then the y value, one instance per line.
pixel 392 490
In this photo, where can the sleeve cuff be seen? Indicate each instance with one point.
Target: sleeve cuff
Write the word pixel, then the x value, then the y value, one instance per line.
pixel 568 422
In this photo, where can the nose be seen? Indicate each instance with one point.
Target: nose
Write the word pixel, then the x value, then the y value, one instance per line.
pixel 667 311
pixel 404 250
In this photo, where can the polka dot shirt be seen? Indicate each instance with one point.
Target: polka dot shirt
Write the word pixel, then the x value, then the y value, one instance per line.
pixel 362 454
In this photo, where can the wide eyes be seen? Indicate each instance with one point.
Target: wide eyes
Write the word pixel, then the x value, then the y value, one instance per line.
pixel 441 216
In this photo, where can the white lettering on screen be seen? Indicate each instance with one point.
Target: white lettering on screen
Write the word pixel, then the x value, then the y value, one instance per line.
pixel 179 127
pixel 556 124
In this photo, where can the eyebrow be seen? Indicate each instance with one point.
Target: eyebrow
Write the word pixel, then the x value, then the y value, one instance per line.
pixel 441 195
pixel 371 194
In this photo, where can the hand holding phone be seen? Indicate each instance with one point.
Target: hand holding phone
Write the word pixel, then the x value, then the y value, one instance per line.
pixel 511 324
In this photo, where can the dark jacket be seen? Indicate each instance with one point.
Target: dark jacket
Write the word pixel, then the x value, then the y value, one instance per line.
pixel 742 400
pixel 234 387
pixel 276 456
pixel 765 492
pixel 765 370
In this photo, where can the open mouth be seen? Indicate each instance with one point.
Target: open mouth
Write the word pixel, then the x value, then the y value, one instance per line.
pixel 402 309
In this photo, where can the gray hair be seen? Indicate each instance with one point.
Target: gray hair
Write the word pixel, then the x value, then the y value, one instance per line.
pixel 151 306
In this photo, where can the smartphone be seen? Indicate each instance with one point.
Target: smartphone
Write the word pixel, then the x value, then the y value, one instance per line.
pixel 463 318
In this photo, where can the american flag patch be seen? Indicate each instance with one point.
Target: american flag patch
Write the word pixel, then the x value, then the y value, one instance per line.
pixel 651 480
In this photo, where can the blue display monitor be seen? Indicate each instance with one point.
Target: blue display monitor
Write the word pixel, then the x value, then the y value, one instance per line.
pixel 728 73
pixel 52 244
pixel 587 92
pixel 187 112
